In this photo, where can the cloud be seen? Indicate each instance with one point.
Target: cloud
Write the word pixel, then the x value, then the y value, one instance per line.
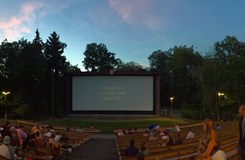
pixel 136 12
pixel 13 27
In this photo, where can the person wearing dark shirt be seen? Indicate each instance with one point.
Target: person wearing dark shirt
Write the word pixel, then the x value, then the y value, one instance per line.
pixel 179 140
pixel 131 150
pixel 241 148
pixel 170 141
pixel 6 129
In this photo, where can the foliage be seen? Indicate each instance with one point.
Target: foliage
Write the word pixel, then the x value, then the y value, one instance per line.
pixel 130 67
pixel 31 70
pixel 98 59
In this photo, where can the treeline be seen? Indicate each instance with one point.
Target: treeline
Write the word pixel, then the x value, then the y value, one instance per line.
pixel 28 70
pixel 192 79
pixel 32 70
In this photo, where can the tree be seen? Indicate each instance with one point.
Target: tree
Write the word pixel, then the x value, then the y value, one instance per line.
pixel 98 59
pixel 54 50
pixel 184 78
pixel 131 67
pixel 57 66
pixel 158 63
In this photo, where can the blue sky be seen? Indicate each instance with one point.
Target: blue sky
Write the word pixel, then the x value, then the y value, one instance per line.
pixel 133 29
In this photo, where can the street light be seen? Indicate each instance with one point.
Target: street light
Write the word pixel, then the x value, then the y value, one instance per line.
pixel 220 94
pixel 5 103
pixel 171 105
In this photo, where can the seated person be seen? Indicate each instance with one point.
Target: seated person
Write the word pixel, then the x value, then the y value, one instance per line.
pixel 190 134
pixel 178 140
pixel 145 134
pixel 47 132
pixel 57 136
pixel 6 150
pixel 151 127
pixel 18 133
pixel 131 150
pixel 6 129
pixel 165 137
pixel 176 128
pixel 218 127
pixel 63 138
pixel 52 141
pixel 170 141
pixel 144 149
pixel 36 128
pixel 36 142
pixel 120 133
pixel 140 156
pixel 219 154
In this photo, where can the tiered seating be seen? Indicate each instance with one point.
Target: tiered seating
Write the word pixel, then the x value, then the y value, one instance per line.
pixel 227 136
pixel 75 139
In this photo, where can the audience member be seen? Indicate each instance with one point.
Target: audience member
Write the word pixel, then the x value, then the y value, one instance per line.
pixel 190 134
pixel 151 127
pixel 219 154
pixel 18 133
pixel 37 142
pixel 6 129
pixel 47 132
pixel 57 136
pixel 64 138
pixel 120 133
pixel 36 128
pixel 145 134
pixel 178 140
pixel 165 137
pixel 144 149
pixel 211 139
pixel 140 156
pixel 241 148
pixel 218 127
pixel 52 141
pixel 170 141
pixel 131 150
pixel 6 150
pixel 176 128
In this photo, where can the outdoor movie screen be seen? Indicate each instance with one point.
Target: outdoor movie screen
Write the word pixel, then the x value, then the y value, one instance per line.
pixel 112 93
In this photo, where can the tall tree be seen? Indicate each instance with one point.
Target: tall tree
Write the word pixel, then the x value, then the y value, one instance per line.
pixel 57 66
pixel 54 50
pixel 184 78
pixel 158 63
pixel 97 58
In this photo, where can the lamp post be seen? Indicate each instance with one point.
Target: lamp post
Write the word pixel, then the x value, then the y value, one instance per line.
pixel 219 95
pixel 5 103
pixel 52 96
pixel 171 105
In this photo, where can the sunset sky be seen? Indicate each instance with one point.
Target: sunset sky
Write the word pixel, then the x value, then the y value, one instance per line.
pixel 133 29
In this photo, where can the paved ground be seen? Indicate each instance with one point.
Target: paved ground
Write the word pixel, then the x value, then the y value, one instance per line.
pixel 99 147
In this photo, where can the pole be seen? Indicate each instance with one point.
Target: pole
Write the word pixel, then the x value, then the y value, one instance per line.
pixel 5 107
pixel 52 100
pixel 171 109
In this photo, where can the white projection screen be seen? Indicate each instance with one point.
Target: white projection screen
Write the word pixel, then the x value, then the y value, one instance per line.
pixel 112 93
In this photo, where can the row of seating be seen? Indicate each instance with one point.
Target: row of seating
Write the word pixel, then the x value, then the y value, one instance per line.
pixel 227 136
pixel 75 139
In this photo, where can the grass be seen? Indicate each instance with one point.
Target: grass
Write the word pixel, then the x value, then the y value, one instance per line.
pixel 110 125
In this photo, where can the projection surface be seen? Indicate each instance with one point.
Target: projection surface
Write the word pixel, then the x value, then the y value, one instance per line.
pixel 112 93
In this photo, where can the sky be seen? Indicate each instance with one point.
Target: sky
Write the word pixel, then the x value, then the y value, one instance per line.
pixel 132 29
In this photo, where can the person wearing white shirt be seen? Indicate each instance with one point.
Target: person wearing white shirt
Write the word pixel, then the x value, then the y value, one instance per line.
pixel 190 134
